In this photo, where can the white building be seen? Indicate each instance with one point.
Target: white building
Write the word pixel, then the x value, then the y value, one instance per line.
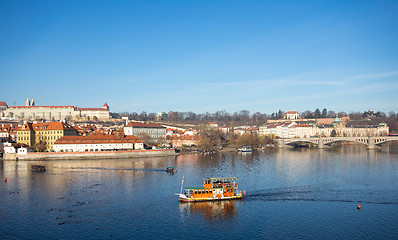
pixel 154 130
pixel 291 115
pixel 4 132
pixel 283 130
pixel 92 113
pixel 16 148
pixel 32 112
pixel 97 143
pixel 293 130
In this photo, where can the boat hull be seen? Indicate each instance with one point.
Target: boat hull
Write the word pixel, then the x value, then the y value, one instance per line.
pixel 184 198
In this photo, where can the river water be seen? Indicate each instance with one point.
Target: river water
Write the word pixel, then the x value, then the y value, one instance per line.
pixel 296 193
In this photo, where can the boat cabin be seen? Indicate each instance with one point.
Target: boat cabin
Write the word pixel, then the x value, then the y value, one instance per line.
pixel 214 188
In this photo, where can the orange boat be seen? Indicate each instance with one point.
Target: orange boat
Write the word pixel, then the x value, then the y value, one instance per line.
pixel 213 189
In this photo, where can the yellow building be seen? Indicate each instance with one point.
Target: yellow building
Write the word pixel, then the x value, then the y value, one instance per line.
pixel 41 136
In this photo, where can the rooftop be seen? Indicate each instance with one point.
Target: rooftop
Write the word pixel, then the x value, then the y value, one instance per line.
pixel 144 125
pixel 45 126
pixel 97 139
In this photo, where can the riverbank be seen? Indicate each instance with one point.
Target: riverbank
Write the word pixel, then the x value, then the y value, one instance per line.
pixel 89 155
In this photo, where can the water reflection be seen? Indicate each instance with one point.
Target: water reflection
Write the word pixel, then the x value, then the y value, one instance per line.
pixel 214 210
pixel 62 176
pixel 288 192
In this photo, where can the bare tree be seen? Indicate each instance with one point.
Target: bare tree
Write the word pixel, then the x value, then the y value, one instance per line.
pixel 145 138
pixel 210 138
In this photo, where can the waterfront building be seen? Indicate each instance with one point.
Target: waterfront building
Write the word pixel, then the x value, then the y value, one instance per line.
pixel 18 148
pixel 97 143
pixel 154 130
pixel 183 140
pixel 305 130
pixel 5 132
pixel 283 130
pixel 53 113
pixel 336 128
pixel 46 133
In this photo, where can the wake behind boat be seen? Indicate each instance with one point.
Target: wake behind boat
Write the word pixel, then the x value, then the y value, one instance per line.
pixel 213 189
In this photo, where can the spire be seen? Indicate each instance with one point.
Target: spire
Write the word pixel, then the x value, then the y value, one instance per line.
pixel 27 103
pixel 32 103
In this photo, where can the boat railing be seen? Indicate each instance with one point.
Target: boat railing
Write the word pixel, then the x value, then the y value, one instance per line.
pixel 220 185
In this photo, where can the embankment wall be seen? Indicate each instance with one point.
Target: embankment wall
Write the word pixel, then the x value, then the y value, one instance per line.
pixel 89 155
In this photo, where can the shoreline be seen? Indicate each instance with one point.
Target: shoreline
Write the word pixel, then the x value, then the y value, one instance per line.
pixel 48 156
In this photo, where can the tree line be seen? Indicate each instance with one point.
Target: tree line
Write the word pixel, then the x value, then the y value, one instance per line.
pixel 212 139
pixel 244 117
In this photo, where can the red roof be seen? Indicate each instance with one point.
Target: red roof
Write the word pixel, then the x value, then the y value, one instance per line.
pixel 91 109
pixel 303 125
pixel 46 126
pixel 5 129
pixel 291 112
pixel 41 107
pixel 144 125
pixel 105 105
pixel 3 104
pixel 97 138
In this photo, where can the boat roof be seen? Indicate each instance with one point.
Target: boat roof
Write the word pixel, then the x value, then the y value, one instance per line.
pixel 222 179
pixel 195 188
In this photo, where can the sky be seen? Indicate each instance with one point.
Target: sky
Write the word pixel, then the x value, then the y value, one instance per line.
pixel 201 56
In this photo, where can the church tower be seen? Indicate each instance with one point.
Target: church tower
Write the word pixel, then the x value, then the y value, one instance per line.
pixel 105 106
pixel 32 103
pixel 27 103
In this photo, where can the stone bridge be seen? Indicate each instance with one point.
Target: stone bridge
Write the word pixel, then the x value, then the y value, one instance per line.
pixel 371 142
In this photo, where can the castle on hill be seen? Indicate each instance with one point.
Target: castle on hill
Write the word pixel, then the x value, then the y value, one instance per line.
pixel 52 113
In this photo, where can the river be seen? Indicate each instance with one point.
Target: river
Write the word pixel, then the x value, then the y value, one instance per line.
pixel 293 193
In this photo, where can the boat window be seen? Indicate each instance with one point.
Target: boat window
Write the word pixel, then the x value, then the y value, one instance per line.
pixel 196 192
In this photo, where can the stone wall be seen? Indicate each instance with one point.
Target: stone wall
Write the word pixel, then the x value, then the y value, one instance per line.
pixel 90 155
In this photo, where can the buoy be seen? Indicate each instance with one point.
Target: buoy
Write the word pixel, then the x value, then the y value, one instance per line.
pixel 358 206
pixel 5 180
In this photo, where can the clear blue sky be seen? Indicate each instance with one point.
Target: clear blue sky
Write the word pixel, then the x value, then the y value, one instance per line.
pixel 201 56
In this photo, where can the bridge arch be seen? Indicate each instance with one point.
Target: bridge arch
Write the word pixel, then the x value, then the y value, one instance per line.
pixel 345 140
pixel 388 140
pixel 290 143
